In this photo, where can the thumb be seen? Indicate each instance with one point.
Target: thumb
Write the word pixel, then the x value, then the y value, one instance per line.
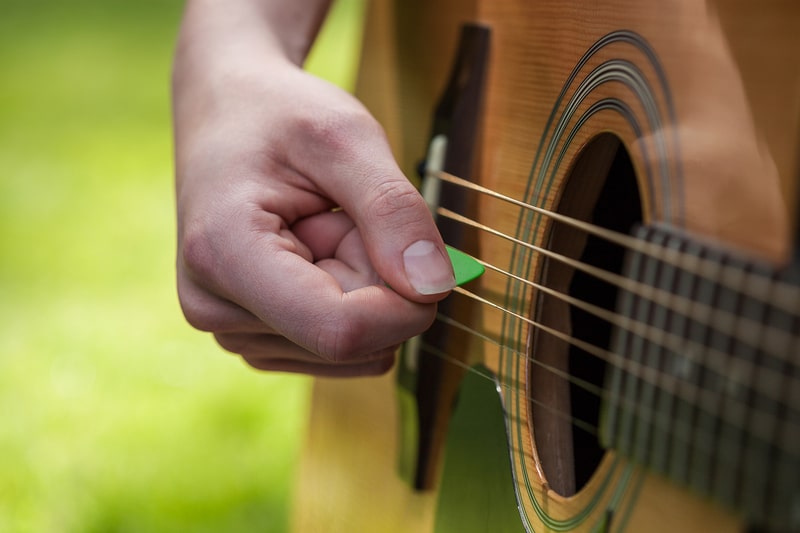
pixel 401 237
pixel 353 165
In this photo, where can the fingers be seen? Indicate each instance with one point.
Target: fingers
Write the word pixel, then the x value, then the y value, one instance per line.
pixel 335 308
pixel 207 312
pixel 274 353
pixel 310 307
pixel 323 232
pixel 337 247
pixel 266 266
pixel 333 371
pixel 352 163
pixel 241 332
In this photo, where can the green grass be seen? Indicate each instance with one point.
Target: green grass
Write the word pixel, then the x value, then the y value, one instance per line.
pixel 114 414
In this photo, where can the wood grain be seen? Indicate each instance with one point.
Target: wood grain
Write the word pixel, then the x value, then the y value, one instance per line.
pixel 721 164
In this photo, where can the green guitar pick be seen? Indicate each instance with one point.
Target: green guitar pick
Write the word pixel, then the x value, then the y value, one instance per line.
pixel 465 267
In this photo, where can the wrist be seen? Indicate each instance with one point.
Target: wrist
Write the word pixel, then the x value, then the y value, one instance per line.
pixel 224 51
pixel 236 29
pixel 225 46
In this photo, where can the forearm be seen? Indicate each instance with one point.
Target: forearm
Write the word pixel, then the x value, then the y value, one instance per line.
pixel 224 42
pixel 239 28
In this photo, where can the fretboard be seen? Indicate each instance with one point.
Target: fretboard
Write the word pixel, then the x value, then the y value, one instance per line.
pixel 707 386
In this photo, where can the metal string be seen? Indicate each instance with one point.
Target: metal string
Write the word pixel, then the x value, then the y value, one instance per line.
pixel 659 419
pixel 747 330
pixel 714 359
pixel 786 297
pixel 782 295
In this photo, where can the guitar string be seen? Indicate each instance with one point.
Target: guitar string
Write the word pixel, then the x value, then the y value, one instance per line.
pixel 768 378
pixel 786 296
pixel 690 350
pixel 697 396
pixel 747 331
pixel 657 418
pixel 703 266
pixel 577 422
pixel 704 444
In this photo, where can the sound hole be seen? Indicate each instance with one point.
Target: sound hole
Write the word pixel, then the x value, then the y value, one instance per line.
pixel 563 379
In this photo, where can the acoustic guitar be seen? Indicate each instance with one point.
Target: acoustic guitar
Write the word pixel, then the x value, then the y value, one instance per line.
pixel 625 171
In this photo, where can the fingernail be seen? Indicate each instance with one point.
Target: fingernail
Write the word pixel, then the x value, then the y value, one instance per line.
pixel 428 271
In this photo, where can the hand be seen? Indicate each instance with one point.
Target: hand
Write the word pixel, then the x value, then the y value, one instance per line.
pixel 292 220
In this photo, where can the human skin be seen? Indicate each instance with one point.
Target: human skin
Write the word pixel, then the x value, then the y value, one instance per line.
pixel 301 245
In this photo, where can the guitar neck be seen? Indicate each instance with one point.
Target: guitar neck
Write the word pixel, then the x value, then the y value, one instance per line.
pixel 705 388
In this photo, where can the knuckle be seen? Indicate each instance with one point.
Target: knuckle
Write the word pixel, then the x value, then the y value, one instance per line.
pixel 390 199
pixel 339 341
pixel 195 317
pixel 381 366
pixel 201 321
pixel 267 365
pixel 197 313
pixel 232 343
pixel 336 130
pixel 197 252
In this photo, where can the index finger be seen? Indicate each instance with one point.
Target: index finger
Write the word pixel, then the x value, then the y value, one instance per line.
pixel 308 306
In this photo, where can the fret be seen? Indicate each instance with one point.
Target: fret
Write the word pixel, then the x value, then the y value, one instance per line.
pixel 785 493
pixel 739 386
pixel 700 465
pixel 729 429
pixel 674 324
pixel 616 432
pixel 657 275
pixel 684 368
pixel 637 387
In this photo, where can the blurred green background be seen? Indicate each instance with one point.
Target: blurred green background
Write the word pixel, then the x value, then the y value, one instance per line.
pixel 114 414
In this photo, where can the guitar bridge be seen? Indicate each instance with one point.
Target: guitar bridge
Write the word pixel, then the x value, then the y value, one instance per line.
pixel 427 384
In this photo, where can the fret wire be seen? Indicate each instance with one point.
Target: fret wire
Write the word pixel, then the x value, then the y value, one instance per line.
pixel 646 374
pixel 786 297
pixel 706 446
pixel 698 311
pixel 716 361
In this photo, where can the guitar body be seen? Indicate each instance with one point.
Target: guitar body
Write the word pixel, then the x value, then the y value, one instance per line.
pixel 680 114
